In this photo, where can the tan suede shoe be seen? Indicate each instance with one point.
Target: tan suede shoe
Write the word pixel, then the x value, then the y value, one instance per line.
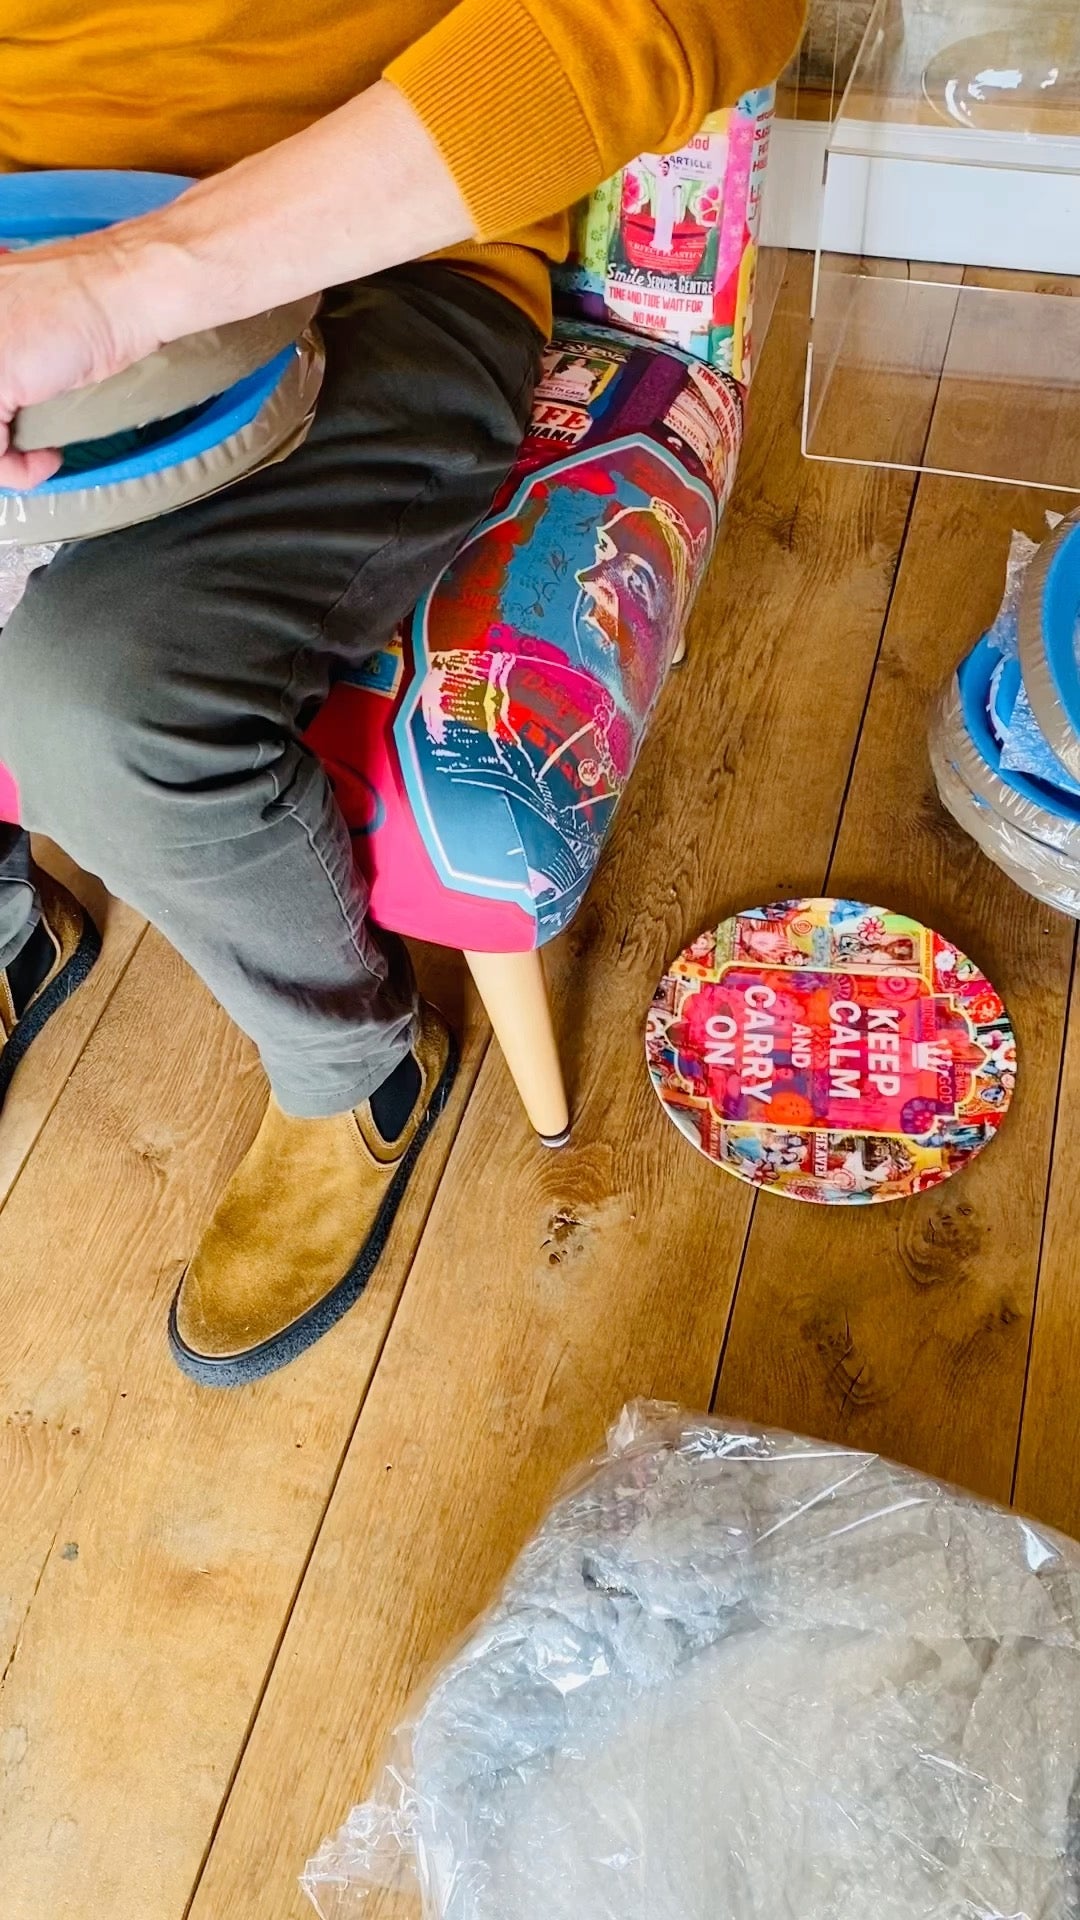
pixel 299 1230
pixel 76 945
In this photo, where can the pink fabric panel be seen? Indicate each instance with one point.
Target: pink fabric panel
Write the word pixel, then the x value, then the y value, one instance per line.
pixel 9 796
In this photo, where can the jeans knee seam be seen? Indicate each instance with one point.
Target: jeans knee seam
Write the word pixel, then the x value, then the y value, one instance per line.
pixel 341 902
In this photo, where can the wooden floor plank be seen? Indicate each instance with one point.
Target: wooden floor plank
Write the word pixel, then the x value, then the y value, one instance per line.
pixel 35 1090
pixel 993 417
pixel 906 1328
pixel 108 1199
pixel 1047 1482
pixel 547 1289
pixel 1048 1471
pixel 152 1535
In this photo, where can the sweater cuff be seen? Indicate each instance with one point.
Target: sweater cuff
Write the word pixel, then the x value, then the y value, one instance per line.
pixel 500 107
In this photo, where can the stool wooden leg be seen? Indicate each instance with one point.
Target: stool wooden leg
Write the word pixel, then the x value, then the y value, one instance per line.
pixel 514 992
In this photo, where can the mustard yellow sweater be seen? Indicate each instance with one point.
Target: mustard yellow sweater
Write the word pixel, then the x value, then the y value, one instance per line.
pixel 532 102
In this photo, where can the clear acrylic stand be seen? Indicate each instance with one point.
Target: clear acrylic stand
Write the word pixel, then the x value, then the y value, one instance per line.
pixel 946 324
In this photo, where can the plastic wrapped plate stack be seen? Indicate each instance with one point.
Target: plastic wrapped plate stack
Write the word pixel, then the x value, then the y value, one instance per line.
pixel 740 1676
pixel 1005 734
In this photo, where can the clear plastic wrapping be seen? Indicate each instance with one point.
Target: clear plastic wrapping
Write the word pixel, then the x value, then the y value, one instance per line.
pixel 738 1675
pixel 16 566
pixel 1004 778
pixel 1024 749
pixel 1040 681
pixel 1048 874
pixel 1005 632
pixel 1006 806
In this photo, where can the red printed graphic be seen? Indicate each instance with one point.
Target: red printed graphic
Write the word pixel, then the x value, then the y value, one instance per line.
pixel 831 1051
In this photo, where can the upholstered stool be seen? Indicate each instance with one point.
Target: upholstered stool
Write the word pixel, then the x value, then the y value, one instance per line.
pixel 480 759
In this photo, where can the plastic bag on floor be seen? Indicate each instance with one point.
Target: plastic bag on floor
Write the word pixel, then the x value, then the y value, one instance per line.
pixel 16 566
pixel 1046 872
pixel 739 1674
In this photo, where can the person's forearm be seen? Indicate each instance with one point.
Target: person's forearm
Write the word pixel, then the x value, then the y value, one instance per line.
pixel 361 190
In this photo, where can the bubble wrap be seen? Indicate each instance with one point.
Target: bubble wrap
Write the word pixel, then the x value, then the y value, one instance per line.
pixel 1036 823
pixel 16 566
pixel 1023 745
pixel 741 1676
pixel 1005 632
pixel 1024 749
pixel 1045 689
pixel 1047 873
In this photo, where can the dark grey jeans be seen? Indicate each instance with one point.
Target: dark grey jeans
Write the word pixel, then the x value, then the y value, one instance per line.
pixel 153 683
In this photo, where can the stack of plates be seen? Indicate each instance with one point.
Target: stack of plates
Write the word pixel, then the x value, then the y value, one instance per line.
pixel 1027 823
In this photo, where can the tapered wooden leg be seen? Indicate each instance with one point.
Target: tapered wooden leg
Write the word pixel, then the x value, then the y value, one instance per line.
pixel 514 992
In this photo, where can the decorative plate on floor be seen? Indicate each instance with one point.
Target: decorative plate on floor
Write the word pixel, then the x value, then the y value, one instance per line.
pixel 831 1051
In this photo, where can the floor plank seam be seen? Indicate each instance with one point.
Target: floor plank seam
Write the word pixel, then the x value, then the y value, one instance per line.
pixel 871 684
pixel 1051 1166
pixel 730 1321
pixel 29 1607
pixel 841 812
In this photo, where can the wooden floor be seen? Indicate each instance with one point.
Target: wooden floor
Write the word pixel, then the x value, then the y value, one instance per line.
pixel 212 1608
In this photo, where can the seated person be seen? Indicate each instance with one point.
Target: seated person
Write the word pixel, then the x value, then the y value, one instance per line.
pixel 156 682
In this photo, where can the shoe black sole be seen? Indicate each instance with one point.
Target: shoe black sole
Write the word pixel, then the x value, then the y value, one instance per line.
pixel 50 1001
pixel 239 1370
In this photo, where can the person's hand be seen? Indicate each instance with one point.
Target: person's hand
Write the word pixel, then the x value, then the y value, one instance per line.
pixel 70 315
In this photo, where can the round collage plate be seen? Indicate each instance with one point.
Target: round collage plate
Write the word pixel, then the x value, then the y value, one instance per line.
pixel 830 1051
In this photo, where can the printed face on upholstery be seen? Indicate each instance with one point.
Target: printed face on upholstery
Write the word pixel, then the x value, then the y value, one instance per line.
pixel 539 655
pixel 637 593
pixel 595 561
